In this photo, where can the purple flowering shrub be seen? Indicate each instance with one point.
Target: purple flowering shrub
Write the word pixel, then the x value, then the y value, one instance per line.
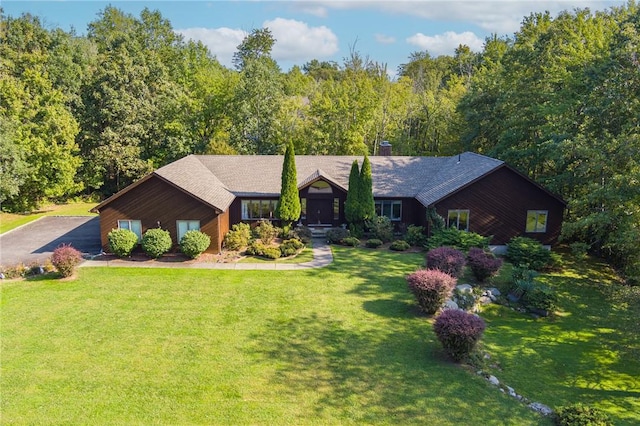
pixel 431 288
pixel 447 260
pixel 483 264
pixel 459 332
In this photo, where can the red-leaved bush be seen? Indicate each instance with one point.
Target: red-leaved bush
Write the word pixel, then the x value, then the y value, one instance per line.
pixel 431 288
pixel 446 259
pixel 483 264
pixel 66 258
pixel 458 331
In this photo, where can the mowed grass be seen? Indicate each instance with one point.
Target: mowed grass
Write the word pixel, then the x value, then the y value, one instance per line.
pixel 9 221
pixel 338 345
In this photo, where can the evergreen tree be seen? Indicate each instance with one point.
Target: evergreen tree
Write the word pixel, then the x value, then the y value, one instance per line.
pixel 352 210
pixel 367 205
pixel 288 209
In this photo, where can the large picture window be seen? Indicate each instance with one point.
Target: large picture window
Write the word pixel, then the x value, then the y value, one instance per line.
pixel 258 209
pixel 186 225
pixel 537 220
pixel 458 219
pixel 389 208
pixel 131 225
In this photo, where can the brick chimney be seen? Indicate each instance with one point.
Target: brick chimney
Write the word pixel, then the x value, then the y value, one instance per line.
pixel 385 149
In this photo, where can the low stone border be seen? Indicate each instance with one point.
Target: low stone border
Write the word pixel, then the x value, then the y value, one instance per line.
pixel 538 407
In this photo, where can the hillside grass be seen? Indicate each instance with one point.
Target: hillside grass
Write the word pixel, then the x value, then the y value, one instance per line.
pixel 338 345
pixel 9 221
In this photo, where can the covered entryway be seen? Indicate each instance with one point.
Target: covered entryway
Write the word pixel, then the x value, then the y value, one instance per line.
pixel 322 202
pixel 320 211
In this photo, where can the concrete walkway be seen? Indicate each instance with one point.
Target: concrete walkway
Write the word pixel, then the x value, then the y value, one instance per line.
pixel 322 256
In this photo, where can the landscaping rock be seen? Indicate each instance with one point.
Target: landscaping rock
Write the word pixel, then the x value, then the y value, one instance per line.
pixel 493 292
pixel 450 304
pixel 511 391
pixel 485 300
pixel 541 408
pixel 493 380
pixel 464 288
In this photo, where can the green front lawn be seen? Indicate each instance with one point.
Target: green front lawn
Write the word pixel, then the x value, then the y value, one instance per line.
pixel 338 345
pixel 9 221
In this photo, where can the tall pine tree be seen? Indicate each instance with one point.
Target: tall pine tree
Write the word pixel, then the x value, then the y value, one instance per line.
pixel 367 205
pixel 288 209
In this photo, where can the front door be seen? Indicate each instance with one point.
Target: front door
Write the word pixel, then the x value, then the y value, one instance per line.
pixel 320 211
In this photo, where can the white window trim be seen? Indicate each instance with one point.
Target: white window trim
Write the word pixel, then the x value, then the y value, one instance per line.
pixel 457 212
pixel 192 224
pixel 382 203
pixel 130 226
pixel 244 209
pixel 537 229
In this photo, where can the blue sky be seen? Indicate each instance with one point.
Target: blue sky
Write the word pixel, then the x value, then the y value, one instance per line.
pixel 384 31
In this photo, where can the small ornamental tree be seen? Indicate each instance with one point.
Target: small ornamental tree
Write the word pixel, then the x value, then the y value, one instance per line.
pixel 156 242
pixel 193 243
pixel 367 205
pixel 483 264
pixel 431 288
pixel 446 259
pixel 352 203
pixel 66 258
pixel 459 332
pixel 288 209
pixel 122 242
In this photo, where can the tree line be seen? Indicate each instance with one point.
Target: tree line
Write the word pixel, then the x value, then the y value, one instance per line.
pixel 559 101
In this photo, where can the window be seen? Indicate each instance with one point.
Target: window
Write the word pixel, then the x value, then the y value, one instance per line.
pixel 389 208
pixel 258 209
pixel 132 225
pixel 320 187
pixel 336 209
pixel 186 225
pixel 458 219
pixel 537 220
pixel 303 208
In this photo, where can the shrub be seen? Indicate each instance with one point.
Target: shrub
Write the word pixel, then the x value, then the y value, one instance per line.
pixel 528 252
pixel 446 259
pixel 193 243
pixel 122 242
pixel 238 237
pixel 336 235
pixel 255 248
pixel 66 258
pixel 266 231
pixel 304 234
pixel 522 281
pixel 431 288
pixel 399 245
pixel 381 228
pixel 461 240
pixel 156 242
pixel 579 249
pixel 373 243
pixel 350 241
pixel 291 247
pixel 271 253
pixel 415 236
pixel 483 264
pixel 539 297
pixel 581 415
pixel 459 332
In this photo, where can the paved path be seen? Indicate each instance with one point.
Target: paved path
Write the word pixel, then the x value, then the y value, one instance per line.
pixel 322 256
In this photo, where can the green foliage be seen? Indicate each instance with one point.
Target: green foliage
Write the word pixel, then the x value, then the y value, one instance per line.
pixel 529 253
pixel 265 231
pixel 579 249
pixel 193 243
pixel 399 245
pixel 435 221
pixel 122 242
pixel 581 415
pixel 350 241
pixel 66 259
pixel 156 242
pixel 238 237
pixel 366 192
pixel 303 233
pixel 461 240
pixel 288 209
pixel 431 288
pixel 459 332
pixel 539 297
pixel 336 235
pixel 291 247
pixel 415 236
pixel 373 243
pixel 381 228
pixel 257 248
pixel 352 203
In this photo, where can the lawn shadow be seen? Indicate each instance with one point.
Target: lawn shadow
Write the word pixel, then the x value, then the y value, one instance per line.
pixel 391 308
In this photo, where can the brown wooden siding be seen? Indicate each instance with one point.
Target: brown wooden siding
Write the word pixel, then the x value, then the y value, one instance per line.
pixel 155 201
pixel 498 205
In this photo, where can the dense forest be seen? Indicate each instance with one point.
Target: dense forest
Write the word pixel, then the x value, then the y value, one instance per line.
pixel 559 101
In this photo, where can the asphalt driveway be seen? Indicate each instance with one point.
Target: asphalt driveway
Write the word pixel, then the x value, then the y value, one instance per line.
pixel 36 241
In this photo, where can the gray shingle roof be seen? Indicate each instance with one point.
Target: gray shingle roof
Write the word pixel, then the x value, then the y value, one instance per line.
pixel 218 179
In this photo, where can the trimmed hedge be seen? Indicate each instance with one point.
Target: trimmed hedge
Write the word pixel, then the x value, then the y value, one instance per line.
pixel 461 240
pixel 373 243
pixel 446 259
pixel 350 241
pixel 193 243
pixel 156 242
pixel 459 332
pixel 431 288
pixel 122 242
pixel 483 264
pixel 66 258
pixel 399 245
pixel 524 251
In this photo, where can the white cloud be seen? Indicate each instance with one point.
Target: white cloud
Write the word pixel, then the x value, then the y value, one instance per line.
pixel 445 44
pixel 385 39
pixel 222 42
pixel 298 42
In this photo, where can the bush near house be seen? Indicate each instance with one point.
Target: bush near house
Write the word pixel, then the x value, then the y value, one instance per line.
pixel 193 243
pixel 446 259
pixel 122 242
pixel 581 415
pixel 524 251
pixel 156 242
pixel 373 243
pixel 380 228
pixel 399 245
pixel 461 240
pixel 459 332
pixel 483 264
pixel 291 247
pixel 266 231
pixel 431 288
pixel 303 233
pixel 415 236
pixel 66 258
pixel 238 237
pixel 350 241
pixel 336 235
